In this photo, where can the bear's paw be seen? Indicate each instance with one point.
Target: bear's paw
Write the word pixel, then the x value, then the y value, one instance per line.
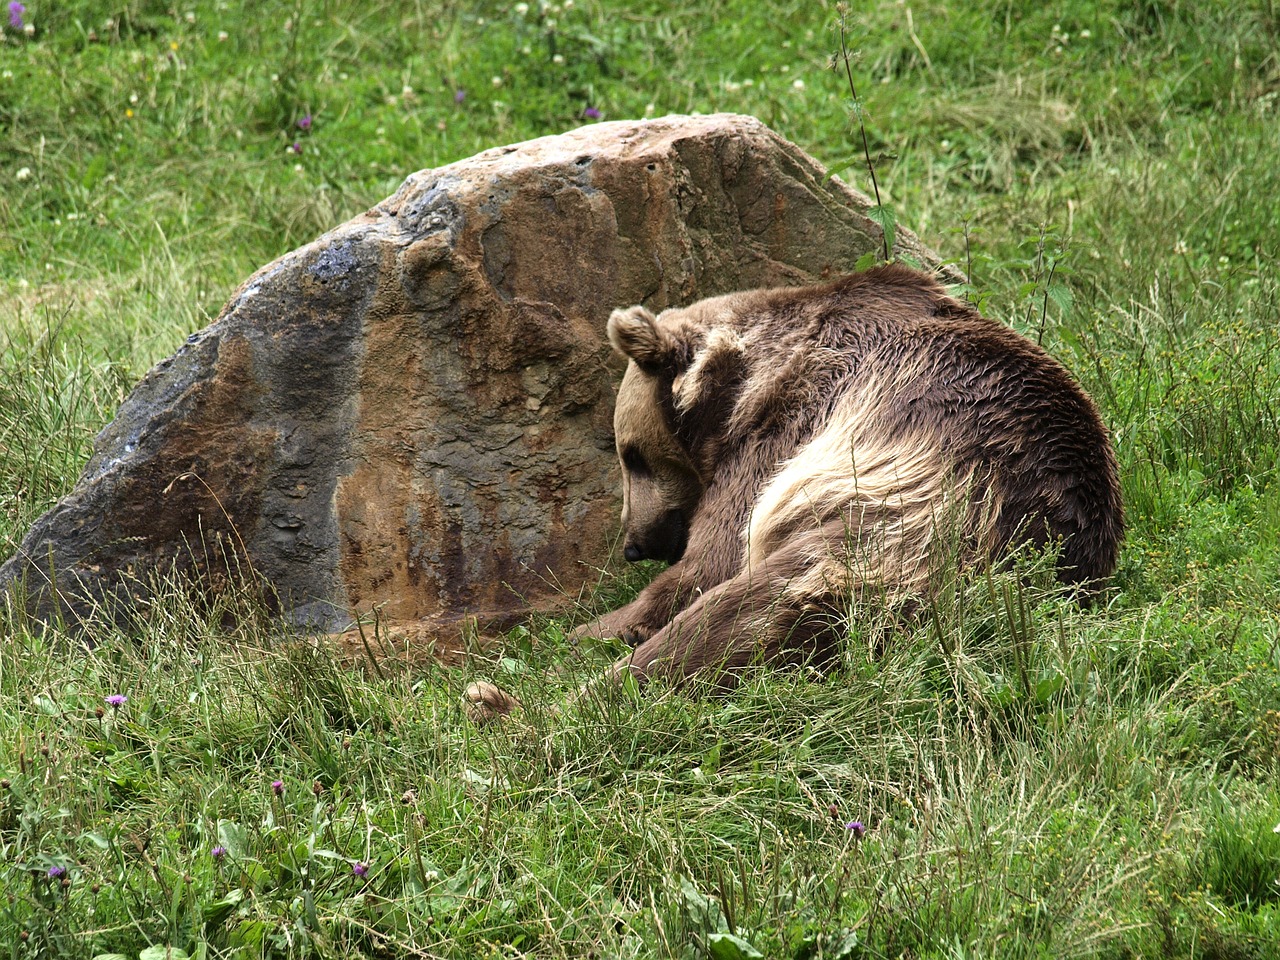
pixel 485 702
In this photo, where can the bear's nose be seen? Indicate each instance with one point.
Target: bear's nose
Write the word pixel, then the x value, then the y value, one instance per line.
pixel 632 553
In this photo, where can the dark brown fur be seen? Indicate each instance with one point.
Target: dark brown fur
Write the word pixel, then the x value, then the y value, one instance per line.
pixel 850 417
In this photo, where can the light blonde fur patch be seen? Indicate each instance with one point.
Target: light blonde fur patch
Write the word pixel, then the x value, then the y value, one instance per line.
pixel 687 388
pixel 898 501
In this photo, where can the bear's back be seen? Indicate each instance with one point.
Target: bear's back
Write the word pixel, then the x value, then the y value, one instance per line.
pixel 886 368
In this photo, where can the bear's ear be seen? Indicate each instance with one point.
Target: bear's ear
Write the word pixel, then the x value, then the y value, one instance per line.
pixel 635 334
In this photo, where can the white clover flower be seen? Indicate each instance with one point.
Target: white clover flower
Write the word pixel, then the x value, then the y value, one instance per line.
pixel 222 36
pixel 522 8
pixel 496 81
pixel 23 174
pixel 189 16
pixel 558 59
pixel 797 84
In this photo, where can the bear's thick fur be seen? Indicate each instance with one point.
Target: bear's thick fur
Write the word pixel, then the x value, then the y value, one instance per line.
pixel 787 450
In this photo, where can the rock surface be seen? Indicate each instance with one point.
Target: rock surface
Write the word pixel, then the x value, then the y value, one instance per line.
pixel 413 413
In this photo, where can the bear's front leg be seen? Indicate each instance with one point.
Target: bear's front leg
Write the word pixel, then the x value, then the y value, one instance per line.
pixel 670 592
pixel 753 618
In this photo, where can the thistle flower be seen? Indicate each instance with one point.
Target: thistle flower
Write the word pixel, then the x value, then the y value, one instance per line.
pixel 360 868
pixel 304 122
pixel 459 95
pixel 591 113
pixel 116 701
pixel 277 787
pixel 857 828
pixel 54 872
pixel 16 10
pixel 218 852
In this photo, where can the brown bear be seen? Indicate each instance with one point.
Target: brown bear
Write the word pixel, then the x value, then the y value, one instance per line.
pixel 786 451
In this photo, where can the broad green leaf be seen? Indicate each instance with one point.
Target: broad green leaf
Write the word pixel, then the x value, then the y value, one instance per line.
pixel 97 839
pixel 1061 296
pixel 1049 687
pixel 164 953
pixel 888 222
pixel 725 946
pixel 218 910
pixel 867 260
pixel 234 837
pixel 703 911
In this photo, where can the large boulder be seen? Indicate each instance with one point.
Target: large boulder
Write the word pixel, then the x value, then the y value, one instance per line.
pixel 413 413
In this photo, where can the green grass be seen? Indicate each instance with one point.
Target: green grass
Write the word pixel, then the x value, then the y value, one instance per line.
pixel 1036 780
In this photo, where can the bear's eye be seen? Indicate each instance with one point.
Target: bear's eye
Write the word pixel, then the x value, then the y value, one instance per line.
pixel 634 461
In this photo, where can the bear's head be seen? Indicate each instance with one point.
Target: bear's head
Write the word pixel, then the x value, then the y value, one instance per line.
pixel 663 420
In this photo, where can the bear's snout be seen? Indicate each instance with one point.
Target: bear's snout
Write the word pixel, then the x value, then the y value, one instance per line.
pixel 664 540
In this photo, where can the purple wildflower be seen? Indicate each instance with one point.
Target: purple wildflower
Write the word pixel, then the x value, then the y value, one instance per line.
pixel 459 95
pixel 591 113
pixel 304 122
pixel 218 852
pixel 54 872
pixel 16 10
pixel 277 787
pixel 857 828
pixel 295 147
pixel 360 868
pixel 117 700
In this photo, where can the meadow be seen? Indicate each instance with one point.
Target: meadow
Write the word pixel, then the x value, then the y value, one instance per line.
pixel 1012 775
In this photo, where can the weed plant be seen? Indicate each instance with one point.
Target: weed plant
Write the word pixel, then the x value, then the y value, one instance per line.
pixel 1010 776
